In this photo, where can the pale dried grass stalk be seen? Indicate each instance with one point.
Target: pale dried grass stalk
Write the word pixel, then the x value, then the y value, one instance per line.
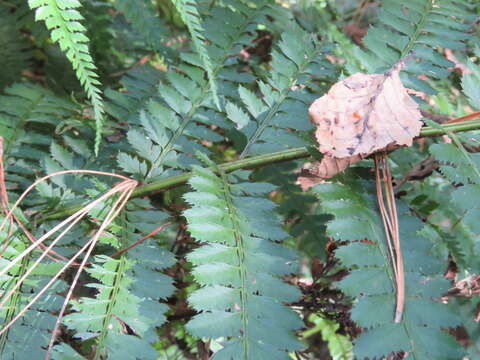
pixel 125 189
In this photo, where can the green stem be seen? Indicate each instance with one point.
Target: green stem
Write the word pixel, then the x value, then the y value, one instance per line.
pixel 468 125
pixel 258 161
pixel 114 292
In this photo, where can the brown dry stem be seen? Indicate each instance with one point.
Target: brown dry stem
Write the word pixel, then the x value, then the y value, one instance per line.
pixel 392 231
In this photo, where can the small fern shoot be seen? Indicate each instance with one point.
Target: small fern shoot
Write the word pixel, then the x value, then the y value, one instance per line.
pixel 63 20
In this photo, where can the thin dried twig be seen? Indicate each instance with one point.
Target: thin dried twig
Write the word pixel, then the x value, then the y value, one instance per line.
pixel 125 188
pixel 59 226
pixel 80 214
pixel 390 221
pixel 157 230
pixel 383 211
pixel 114 211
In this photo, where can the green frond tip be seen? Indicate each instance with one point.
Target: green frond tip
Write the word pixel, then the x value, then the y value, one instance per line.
pixel 63 20
pixel 190 16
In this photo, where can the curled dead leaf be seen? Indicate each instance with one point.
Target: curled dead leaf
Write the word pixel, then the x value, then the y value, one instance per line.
pixel 360 115
pixel 324 170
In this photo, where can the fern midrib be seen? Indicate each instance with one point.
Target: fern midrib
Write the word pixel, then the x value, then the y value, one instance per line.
pixel 111 304
pixel 178 132
pixel 241 260
pixel 410 338
pixel 120 272
pixel 466 155
pixel 196 105
pixel 388 269
pixel 250 163
pixel 418 30
pixel 392 280
pixel 192 19
pixel 274 109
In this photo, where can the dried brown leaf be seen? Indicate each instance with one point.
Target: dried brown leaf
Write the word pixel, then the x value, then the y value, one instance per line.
pixel 365 113
pixel 360 115
pixel 328 167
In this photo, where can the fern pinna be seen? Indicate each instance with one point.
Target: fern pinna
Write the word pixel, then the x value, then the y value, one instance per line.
pixel 29 334
pixel 417 29
pixel 172 125
pixel 63 20
pixel 265 122
pixel 16 50
pixel 144 19
pixel 238 266
pixel 462 170
pixel 121 318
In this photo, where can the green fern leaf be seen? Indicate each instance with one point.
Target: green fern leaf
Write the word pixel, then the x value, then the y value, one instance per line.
pixel 295 65
pixel 371 283
pixel 62 19
pixel 462 169
pixel 238 267
pixel 128 292
pixel 15 50
pixel 144 19
pixel 419 28
pixel 30 334
pixel 29 115
pixel 174 122
pixel 191 17
pixel 471 82
pixel 140 86
pixel 65 352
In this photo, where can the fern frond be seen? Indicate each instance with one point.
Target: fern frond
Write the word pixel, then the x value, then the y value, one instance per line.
pixel 123 315
pixel 63 20
pixel 29 335
pixel 29 115
pixel 371 282
pixel 192 19
pixel 173 124
pixel 296 64
pixel 420 28
pixel 462 170
pixel 145 20
pixel 458 166
pixel 139 86
pixel 239 267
